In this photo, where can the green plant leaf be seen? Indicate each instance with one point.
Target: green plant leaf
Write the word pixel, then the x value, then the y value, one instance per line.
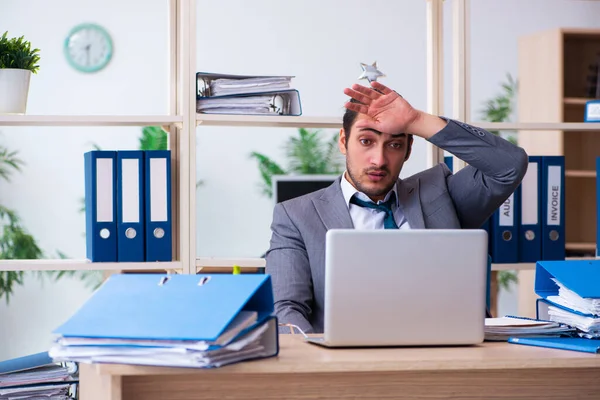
pixel 267 168
pixel 17 53
pixel 506 278
pixel 154 138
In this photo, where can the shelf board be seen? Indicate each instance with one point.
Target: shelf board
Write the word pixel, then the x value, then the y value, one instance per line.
pixel 580 174
pixel 538 126
pixel 211 265
pixel 531 266
pixel 580 246
pixel 88 120
pixel 513 267
pixel 580 101
pixel 72 265
pixel 268 121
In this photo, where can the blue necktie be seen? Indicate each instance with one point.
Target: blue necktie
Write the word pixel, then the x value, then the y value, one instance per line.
pixel 388 221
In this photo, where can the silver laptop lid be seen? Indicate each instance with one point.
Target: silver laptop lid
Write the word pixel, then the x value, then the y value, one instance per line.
pixel 405 287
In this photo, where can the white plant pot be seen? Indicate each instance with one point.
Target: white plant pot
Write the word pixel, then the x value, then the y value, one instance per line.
pixel 14 88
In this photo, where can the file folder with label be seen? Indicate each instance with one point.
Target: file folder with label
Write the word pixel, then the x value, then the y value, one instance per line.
pixel 101 205
pixel 553 208
pixel 157 172
pixel 130 206
pixel 504 230
pixel 530 228
pixel 177 320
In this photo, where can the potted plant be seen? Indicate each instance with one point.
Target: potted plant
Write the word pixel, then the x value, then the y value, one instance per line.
pixel 18 61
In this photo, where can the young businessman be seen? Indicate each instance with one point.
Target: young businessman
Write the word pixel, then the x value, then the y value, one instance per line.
pixel 376 138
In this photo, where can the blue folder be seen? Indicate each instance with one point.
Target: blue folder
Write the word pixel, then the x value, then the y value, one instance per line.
pixel 170 307
pixel 130 206
pixel 530 227
pixel 553 208
pixel 566 343
pixel 29 361
pixel 580 276
pixel 505 230
pixel 100 168
pixel 157 186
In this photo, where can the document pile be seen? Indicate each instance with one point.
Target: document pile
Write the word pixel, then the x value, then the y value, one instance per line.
pixel 36 376
pixel 500 329
pixel 570 292
pixel 173 320
pixel 246 94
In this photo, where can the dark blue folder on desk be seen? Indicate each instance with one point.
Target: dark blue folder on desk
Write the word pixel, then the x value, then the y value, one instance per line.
pixel 170 307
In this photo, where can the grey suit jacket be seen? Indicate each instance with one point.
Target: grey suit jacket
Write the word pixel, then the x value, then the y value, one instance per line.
pixel 432 199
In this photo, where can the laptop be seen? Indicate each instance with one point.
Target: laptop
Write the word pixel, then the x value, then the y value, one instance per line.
pixel 394 287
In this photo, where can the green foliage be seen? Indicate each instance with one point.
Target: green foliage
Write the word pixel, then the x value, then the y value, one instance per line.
pixel 308 153
pixel 18 244
pixel 154 138
pixel 500 109
pixel 17 53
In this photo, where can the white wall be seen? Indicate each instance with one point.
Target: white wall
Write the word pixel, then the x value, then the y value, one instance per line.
pixel 321 43
pixel 47 193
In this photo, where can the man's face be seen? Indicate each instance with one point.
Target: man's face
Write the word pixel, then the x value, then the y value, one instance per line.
pixel 374 159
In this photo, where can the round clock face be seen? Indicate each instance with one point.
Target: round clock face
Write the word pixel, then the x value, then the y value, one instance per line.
pixel 88 48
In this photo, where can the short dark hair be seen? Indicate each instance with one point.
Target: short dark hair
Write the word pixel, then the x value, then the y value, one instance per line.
pixel 348 120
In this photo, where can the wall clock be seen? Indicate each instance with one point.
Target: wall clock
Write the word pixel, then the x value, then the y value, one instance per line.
pixel 88 48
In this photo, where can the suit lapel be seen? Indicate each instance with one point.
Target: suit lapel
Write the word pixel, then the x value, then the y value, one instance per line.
pixel 332 209
pixel 409 199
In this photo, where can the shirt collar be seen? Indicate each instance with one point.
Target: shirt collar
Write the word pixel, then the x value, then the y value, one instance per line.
pixel 348 191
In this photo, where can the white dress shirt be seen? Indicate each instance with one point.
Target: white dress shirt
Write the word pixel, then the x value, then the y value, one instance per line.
pixel 368 218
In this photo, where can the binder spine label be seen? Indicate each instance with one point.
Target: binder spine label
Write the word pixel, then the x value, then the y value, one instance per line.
pixel 104 190
pixel 554 195
pixel 507 212
pixel 529 196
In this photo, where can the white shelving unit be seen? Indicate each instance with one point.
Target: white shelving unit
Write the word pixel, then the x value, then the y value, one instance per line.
pixel 182 121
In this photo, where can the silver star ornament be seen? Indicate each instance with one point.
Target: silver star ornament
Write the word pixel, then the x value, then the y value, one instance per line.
pixel 370 72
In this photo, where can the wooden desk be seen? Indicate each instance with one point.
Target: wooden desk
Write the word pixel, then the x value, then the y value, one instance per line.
pixel 304 371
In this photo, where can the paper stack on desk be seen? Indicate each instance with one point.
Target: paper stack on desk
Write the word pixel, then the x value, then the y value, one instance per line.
pixel 570 294
pixel 246 94
pixel 500 329
pixel 37 376
pixel 199 321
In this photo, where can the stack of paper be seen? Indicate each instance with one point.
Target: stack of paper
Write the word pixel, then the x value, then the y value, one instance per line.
pixel 500 329
pixel 570 294
pixel 224 86
pixel 37 376
pixel 246 94
pixel 570 308
pixel 173 320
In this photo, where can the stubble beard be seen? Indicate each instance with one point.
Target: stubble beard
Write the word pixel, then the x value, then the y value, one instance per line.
pixel 369 191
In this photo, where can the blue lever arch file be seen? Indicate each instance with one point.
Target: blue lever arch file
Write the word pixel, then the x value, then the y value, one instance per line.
pixel 101 205
pixel 169 307
pixel 530 228
pixel 200 321
pixel 158 205
pixel 580 276
pixel 130 206
pixel 553 208
pixel 504 230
